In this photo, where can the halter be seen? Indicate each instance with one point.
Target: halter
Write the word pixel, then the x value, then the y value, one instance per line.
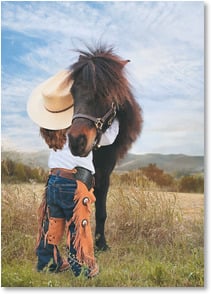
pixel 101 123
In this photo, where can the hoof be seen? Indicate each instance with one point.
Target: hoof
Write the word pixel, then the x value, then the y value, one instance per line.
pixel 102 248
pixel 100 243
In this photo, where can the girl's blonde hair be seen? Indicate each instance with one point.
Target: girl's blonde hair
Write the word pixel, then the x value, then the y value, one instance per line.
pixel 55 139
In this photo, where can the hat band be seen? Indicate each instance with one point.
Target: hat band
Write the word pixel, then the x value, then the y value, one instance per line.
pixel 58 111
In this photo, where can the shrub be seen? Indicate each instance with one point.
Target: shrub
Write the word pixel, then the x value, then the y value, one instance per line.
pixel 191 184
pixel 157 175
pixel 18 172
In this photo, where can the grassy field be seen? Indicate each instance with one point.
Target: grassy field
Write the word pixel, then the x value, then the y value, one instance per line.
pixel 156 239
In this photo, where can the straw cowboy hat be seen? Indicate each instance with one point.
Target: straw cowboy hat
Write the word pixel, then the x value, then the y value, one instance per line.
pixel 51 103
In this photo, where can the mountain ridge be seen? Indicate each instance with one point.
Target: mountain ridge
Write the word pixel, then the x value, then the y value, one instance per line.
pixel 170 163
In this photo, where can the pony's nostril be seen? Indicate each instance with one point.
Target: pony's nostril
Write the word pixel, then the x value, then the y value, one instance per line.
pixel 81 141
pixel 77 144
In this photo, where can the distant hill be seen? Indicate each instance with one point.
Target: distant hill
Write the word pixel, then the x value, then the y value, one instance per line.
pixel 172 163
pixel 33 159
pixel 169 163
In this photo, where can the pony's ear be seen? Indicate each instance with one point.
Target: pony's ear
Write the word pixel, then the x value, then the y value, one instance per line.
pixel 124 62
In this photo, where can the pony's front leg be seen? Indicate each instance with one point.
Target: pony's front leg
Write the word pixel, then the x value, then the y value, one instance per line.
pixel 101 189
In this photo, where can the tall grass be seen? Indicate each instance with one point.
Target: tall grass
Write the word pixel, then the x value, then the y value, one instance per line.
pixel 152 245
pixel 142 214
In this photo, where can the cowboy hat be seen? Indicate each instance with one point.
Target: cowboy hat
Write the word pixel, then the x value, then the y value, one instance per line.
pixel 51 103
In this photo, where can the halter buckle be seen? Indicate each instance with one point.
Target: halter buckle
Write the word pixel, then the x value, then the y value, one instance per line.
pixel 99 124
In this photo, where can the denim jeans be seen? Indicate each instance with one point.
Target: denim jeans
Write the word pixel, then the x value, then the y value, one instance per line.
pixel 60 203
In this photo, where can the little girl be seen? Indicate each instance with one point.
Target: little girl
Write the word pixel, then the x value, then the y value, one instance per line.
pixel 69 195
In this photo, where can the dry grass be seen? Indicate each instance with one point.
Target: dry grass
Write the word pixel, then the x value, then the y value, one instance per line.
pixel 141 214
pixel 156 238
pixel 192 205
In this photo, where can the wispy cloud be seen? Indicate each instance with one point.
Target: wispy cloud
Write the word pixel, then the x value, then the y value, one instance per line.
pixel 163 40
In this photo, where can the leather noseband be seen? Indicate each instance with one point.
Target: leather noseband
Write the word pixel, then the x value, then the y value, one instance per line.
pixel 101 123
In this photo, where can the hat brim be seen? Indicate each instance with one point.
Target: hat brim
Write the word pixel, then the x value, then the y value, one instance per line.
pixel 44 118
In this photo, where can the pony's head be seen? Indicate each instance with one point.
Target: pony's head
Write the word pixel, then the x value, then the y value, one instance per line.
pixel 99 88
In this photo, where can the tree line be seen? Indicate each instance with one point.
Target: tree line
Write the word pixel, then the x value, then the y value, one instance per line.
pixel 186 183
pixel 12 171
pixel 162 181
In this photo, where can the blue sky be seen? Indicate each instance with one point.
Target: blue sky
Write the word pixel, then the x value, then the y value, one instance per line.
pixel 163 40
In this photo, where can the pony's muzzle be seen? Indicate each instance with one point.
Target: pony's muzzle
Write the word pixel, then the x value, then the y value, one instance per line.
pixel 78 145
pixel 81 139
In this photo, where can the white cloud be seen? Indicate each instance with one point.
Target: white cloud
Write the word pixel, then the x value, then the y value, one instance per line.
pixel 164 41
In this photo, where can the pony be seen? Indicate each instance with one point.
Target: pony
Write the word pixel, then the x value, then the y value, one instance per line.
pixel 101 92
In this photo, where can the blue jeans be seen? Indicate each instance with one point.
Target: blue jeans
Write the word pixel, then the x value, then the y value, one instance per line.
pixel 60 203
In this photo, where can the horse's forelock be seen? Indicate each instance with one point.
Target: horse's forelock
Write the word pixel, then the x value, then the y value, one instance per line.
pixel 102 70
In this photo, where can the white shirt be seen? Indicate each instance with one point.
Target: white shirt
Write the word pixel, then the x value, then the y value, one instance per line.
pixel 64 159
